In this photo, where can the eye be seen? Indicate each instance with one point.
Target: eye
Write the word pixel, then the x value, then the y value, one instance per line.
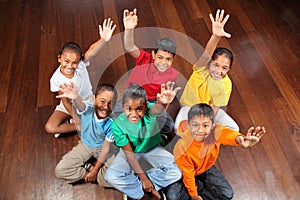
pixel 194 125
pixel 102 102
pixel 139 109
pixel 225 68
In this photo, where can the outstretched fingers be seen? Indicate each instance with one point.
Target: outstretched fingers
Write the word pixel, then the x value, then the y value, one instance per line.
pixel 258 132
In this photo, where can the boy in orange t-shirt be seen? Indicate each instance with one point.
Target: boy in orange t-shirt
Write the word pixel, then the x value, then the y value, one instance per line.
pixel 197 151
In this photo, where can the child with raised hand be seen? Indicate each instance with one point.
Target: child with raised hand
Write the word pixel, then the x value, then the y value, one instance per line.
pixel 137 133
pixel 96 136
pixel 73 67
pixel 209 82
pixel 151 69
pixel 197 151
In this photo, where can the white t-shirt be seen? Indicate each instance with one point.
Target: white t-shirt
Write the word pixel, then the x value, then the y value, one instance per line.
pixel 81 79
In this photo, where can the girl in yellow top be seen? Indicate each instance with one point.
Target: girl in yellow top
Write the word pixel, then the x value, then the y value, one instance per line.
pixel 209 82
pixel 197 151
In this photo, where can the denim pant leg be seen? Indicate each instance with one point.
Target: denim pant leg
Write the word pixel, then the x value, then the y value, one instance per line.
pixel 223 118
pixel 176 191
pixel 121 176
pixel 165 170
pixel 213 185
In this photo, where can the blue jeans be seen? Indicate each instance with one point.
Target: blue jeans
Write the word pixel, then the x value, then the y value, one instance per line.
pixel 211 185
pixel 164 172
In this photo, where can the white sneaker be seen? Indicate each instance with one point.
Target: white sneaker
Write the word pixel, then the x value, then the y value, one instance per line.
pixel 56 135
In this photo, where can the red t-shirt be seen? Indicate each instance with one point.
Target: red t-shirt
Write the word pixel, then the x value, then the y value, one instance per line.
pixel 146 75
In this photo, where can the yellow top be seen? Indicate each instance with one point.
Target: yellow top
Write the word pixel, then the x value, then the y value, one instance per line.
pixel 202 88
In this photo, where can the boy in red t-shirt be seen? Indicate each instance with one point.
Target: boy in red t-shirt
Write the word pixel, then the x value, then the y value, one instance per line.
pixel 152 69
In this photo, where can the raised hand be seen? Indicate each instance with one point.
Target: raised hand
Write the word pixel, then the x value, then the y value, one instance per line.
pixel 218 24
pixel 167 93
pixel 107 29
pixel 252 137
pixel 130 19
pixel 68 91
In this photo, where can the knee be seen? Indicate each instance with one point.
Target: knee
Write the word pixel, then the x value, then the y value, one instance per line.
pixel 108 176
pixel 227 193
pixel 49 128
pixel 176 191
pixel 237 128
pixel 176 172
pixel 59 171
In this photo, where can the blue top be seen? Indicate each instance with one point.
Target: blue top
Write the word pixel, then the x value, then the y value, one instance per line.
pixel 93 130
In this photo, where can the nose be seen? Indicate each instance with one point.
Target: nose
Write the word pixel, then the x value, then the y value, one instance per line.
pixel 220 71
pixel 134 113
pixel 69 65
pixel 105 106
pixel 200 129
pixel 164 61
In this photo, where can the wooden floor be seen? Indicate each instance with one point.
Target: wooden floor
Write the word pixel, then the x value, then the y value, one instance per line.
pixel 266 91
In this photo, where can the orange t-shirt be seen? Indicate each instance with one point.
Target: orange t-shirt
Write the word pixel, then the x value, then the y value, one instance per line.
pixel 194 158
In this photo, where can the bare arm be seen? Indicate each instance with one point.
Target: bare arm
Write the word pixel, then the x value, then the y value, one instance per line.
pixel 218 32
pixel 165 97
pixel 130 20
pixel 105 33
pixel 252 137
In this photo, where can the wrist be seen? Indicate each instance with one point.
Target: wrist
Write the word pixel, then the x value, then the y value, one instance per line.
pixel 142 176
pixel 216 35
pixel 102 40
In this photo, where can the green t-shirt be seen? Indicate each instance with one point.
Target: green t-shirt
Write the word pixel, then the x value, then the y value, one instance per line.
pixel 142 136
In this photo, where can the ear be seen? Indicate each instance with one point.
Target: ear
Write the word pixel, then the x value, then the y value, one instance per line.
pixel 153 54
pixel 213 125
pixel 58 58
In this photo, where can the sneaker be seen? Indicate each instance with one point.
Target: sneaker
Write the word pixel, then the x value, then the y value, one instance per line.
pixel 70 121
pixel 57 135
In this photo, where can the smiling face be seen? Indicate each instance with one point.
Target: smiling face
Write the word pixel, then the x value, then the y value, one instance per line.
pixel 134 109
pixel 219 67
pixel 69 61
pixel 200 127
pixel 103 103
pixel 162 60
